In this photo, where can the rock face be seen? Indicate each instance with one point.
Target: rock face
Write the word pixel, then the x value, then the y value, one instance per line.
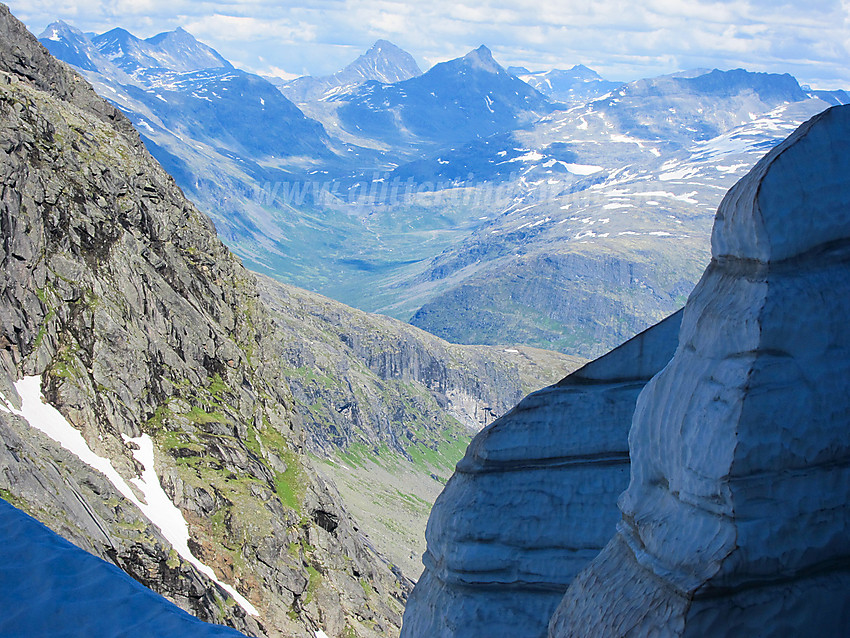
pixel 735 521
pixel 356 353
pixel 390 409
pixel 83 592
pixel 116 292
pixel 533 500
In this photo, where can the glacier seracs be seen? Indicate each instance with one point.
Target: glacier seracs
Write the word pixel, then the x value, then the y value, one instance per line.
pixel 533 500
pixel 736 520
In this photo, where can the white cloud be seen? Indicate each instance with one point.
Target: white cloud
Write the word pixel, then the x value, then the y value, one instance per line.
pixel 621 39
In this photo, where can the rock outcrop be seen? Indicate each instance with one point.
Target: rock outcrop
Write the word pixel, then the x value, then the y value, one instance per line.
pixel 141 327
pixel 534 500
pixel 86 596
pixel 737 517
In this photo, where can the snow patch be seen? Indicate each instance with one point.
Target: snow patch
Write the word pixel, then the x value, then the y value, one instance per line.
pixel 530 156
pixel 734 168
pixel 156 506
pixel 581 169
pixel 682 173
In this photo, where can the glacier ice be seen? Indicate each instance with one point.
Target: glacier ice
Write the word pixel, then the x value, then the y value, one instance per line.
pixel 533 500
pixel 49 587
pixel 736 520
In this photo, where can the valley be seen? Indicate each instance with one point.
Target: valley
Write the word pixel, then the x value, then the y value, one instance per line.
pixel 462 199
pixel 265 317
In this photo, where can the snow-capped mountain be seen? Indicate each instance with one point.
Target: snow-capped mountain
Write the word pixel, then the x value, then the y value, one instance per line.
pixel 499 190
pixel 454 101
pixel 213 126
pixel 383 62
pixel 578 84
pixel 74 47
pixel 172 87
pixel 174 50
pixel 595 197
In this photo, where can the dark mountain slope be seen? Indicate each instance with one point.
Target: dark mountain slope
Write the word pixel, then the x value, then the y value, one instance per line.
pixel 140 325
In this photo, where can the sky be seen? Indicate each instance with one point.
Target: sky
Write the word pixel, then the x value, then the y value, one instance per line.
pixel 621 39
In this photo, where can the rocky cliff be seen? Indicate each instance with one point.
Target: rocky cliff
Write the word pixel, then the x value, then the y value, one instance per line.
pixel 121 307
pixel 533 500
pixel 735 521
pixel 389 409
pixel 81 591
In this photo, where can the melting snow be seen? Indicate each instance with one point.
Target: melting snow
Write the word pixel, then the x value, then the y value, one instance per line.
pixel 530 156
pixel 682 173
pixel 734 168
pixel 156 505
pixel 581 169
pixel 626 139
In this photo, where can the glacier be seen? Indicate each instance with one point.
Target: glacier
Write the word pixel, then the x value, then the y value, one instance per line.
pixel 533 500
pixel 736 520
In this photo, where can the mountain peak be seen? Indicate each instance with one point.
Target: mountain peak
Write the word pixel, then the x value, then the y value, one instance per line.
pixel 71 45
pixel 585 73
pixel 55 31
pixel 482 58
pixel 384 61
pixel 176 50
pixel 380 45
pixel 178 35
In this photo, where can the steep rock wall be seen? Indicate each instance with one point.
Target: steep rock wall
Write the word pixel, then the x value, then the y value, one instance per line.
pixel 117 294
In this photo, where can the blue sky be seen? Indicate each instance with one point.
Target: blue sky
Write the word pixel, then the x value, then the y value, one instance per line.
pixel 622 39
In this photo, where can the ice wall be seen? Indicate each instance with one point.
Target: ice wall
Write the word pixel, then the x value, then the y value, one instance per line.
pixel 736 520
pixel 533 500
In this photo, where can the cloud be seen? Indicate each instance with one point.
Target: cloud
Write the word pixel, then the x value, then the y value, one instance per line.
pixel 621 39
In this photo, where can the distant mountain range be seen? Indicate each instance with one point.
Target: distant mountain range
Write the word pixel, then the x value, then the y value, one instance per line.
pixel 383 62
pixel 455 101
pixel 578 84
pixel 555 208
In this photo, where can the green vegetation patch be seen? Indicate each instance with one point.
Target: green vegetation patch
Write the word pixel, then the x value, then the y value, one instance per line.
pixel 313 582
